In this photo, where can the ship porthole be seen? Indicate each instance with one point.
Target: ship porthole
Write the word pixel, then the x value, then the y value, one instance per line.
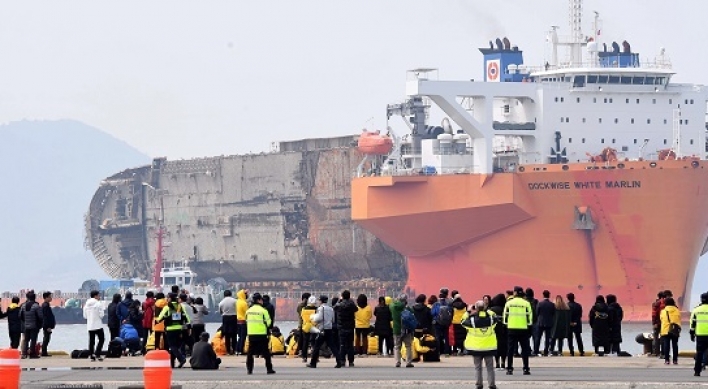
pixel 565 167
pixel 620 165
pixel 521 169
pixel 694 163
pixel 652 164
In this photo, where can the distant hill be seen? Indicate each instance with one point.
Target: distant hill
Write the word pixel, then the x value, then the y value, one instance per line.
pixel 49 171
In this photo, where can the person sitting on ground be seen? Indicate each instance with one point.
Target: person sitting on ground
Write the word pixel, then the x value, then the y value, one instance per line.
pixel 203 355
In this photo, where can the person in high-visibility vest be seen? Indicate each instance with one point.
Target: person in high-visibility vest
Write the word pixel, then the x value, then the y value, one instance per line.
pixel 257 324
pixel 174 318
pixel 518 318
pixel 699 332
pixel 481 340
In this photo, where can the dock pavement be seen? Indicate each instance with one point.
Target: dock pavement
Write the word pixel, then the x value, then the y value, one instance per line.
pixel 375 372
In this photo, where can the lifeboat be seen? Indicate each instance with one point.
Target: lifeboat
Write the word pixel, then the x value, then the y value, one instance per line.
pixel 373 143
pixel 608 154
pixel 666 154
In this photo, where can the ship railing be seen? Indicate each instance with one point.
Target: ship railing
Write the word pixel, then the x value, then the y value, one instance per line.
pixel 649 64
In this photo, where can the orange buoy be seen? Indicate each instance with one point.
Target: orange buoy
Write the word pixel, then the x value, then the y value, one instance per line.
pixel 157 372
pixel 9 369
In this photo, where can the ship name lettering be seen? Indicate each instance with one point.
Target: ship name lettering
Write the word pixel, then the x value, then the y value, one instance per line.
pixel 549 185
pixel 623 184
pixel 587 184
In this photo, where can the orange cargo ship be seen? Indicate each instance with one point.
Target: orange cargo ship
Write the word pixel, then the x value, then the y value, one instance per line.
pixel 487 207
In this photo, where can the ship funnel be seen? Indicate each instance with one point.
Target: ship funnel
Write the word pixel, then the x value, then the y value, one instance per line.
pixel 447 127
pixel 626 48
pixel 615 47
pixel 500 45
pixel 507 44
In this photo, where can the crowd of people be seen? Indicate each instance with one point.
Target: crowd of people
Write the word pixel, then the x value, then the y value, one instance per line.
pixel 494 330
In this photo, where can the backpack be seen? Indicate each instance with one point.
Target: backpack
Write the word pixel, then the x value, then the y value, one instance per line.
pixel 80 354
pixel 115 349
pixel 175 316
pixel 408 320
pixel 444 317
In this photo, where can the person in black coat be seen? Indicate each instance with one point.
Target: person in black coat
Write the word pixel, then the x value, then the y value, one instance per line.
pixel 344 311
pixel 48 322
pixel 576 325
pixel 14 326
pixel 422 316
pixel 545 311
pixel 270 308
pixel 599 321
pixel 203 355
pixel 535 335
pixel 113 321
pixel 382 326
pixel 616 314
pixel 496 305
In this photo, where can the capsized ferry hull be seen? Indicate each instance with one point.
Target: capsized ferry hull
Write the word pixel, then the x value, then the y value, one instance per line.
pixel 483 234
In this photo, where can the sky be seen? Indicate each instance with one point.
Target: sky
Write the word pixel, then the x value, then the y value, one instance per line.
pixel 193 79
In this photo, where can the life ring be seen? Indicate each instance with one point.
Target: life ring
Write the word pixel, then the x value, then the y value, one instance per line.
pixel 492 70
pixel 521 169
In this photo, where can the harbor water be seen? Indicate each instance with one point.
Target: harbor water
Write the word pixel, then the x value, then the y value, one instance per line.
pixel 70 337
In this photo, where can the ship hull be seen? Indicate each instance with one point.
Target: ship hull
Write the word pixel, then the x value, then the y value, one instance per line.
pixel 483 234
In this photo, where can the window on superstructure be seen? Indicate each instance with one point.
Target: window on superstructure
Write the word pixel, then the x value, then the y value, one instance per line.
pixel 660 81
pixel 664 141
pixel 562 120
pixel 570 140
pixel 602 79
pixel 671 101
pixel 594 99
pixel 637 101
pixel 567 120
pixel 579 81
pixel 583 140
pixel 610 100
pixel 686 121
pixel 625 80
pixel 685 101
pixel 691 101
pixel 665 121
pixel 599 120
pixel 605 100
pixel 635 141
pixel 616 120
pixel 648 121
pixel 562 99
pixel 556 99
pixel 583 120
pixel 691 141
pixel 625 148
pixel 614 80
pixel 681 121
pixel 638 80
pixel 653 101
pixel 577 100
pixel 649 81
pixel 613 141
pixel 602 140
pixel 627 101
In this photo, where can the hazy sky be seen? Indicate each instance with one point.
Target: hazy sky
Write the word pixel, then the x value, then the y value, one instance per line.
pixel 191 79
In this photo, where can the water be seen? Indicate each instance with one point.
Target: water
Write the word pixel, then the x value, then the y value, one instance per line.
pixel 75 337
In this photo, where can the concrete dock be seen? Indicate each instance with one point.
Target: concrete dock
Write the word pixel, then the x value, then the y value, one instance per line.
pixel 374 372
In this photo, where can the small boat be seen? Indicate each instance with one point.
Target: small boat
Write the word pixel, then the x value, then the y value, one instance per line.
pixel 373 143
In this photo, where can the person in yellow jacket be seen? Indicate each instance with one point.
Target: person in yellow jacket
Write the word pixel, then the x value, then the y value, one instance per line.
pixel 481 341
pixel 219 343
pixel 257 324
pixel 174 318
pixel 241 307
pixel 277 342
pixel 362 325
pixel 699 332
pixel 518 319
pixel 669 315
pixel 14 325
pixel 158 328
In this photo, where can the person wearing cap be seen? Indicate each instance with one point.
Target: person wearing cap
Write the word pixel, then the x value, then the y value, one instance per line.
pixel 345 311
pixel 323 319
pixel 481 341
pixel 459 308
pixel 518 318
pixel 257 324
pixel 307 326
pixel 203 355
pixel 698 329
pixel 401 336
pixel 174 317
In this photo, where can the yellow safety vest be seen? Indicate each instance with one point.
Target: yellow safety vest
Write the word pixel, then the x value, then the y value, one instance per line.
pixel 517 314
pixel 480 338
pixel 177 316
pixel 699 320
pixel 257 320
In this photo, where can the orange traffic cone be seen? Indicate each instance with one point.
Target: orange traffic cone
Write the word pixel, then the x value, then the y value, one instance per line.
pixel 157 372
pixel 9 369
